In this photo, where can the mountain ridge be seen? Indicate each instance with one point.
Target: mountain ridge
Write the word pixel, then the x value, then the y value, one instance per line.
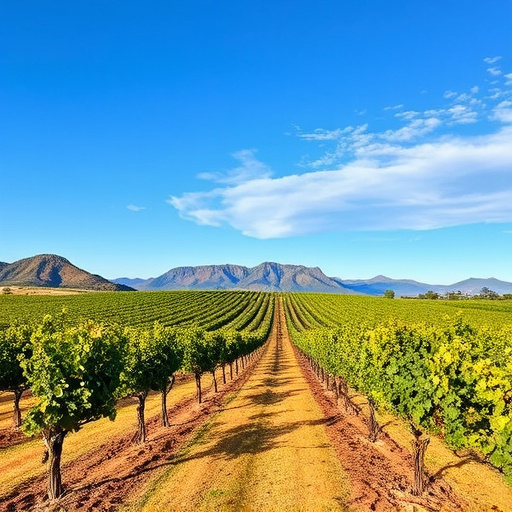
pixel 271 276
pixel 53 271
pixel 50 270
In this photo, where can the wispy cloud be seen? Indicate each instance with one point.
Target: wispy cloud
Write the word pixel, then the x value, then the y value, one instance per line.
pixel 494 71
pixel 394 107
pixel 134 208
pixel 419 176
pixel 249 168
pixel 491 60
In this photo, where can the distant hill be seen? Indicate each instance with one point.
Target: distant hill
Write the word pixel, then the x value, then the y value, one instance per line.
pixel 379 284
pixel 50 270
pixel 408 288
pixel 473 286
pixel 267 276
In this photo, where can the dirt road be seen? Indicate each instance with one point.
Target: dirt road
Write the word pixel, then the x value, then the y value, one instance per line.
pixel 267 450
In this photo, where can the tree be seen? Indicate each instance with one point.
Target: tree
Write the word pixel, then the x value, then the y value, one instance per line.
pixel 486 293
pixel 389 294
pixel 429 295
pixel 15 345
pixel 74 372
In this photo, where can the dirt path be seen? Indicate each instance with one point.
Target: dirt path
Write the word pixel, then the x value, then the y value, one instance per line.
pixel 267 450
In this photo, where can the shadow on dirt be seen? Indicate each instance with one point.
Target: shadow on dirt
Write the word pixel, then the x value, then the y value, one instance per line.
pixel 465 459
pixel 251 439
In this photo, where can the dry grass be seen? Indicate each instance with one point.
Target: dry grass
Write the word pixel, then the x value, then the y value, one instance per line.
pixel 41 290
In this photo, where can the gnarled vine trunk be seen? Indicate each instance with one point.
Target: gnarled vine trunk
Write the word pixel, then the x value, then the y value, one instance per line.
pixel 198 386
pixel 165 391
pixel 419 446
pixel 214 381
pixel 140 435
pixel 17 412
pixel 53 439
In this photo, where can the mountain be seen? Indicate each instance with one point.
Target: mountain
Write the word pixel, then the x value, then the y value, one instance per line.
pixel 271 276
pixel 205 277
pixel 408 288
pixel 267 276
pixel 50 270
pixel 379 284
pixel 473 286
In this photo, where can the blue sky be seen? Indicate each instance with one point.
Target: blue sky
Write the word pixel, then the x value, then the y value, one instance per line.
pixel 366 138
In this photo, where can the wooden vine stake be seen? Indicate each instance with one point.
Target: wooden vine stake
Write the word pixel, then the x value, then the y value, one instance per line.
pixel 419 446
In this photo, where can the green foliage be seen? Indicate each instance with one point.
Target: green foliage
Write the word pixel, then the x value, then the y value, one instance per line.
pixel 196 357
pixel 15 345
pixel 209 310
pixel 151 358
pixel 429 295
pixel 389 294
pixel 74 373
pixel 486 293
pixel 447 376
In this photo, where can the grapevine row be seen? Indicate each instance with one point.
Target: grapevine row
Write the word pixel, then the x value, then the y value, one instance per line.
pixel 78 371
pixel 447 376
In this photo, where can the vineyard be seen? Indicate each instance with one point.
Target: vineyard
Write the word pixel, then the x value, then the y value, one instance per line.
pixel 443 370
pixel 160 363
pixel 207 310
pixel 78 369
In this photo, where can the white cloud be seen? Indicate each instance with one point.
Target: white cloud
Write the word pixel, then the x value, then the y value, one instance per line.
pixel 461 114
pixel 250 168
pixel 320 134
pixel 409 114
pixel 445 183
pixel 494 71
pixel 414 129
pixel 491 60
pixel 134 208
pixel 503 112
pixel 395 107
pixel 400 178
